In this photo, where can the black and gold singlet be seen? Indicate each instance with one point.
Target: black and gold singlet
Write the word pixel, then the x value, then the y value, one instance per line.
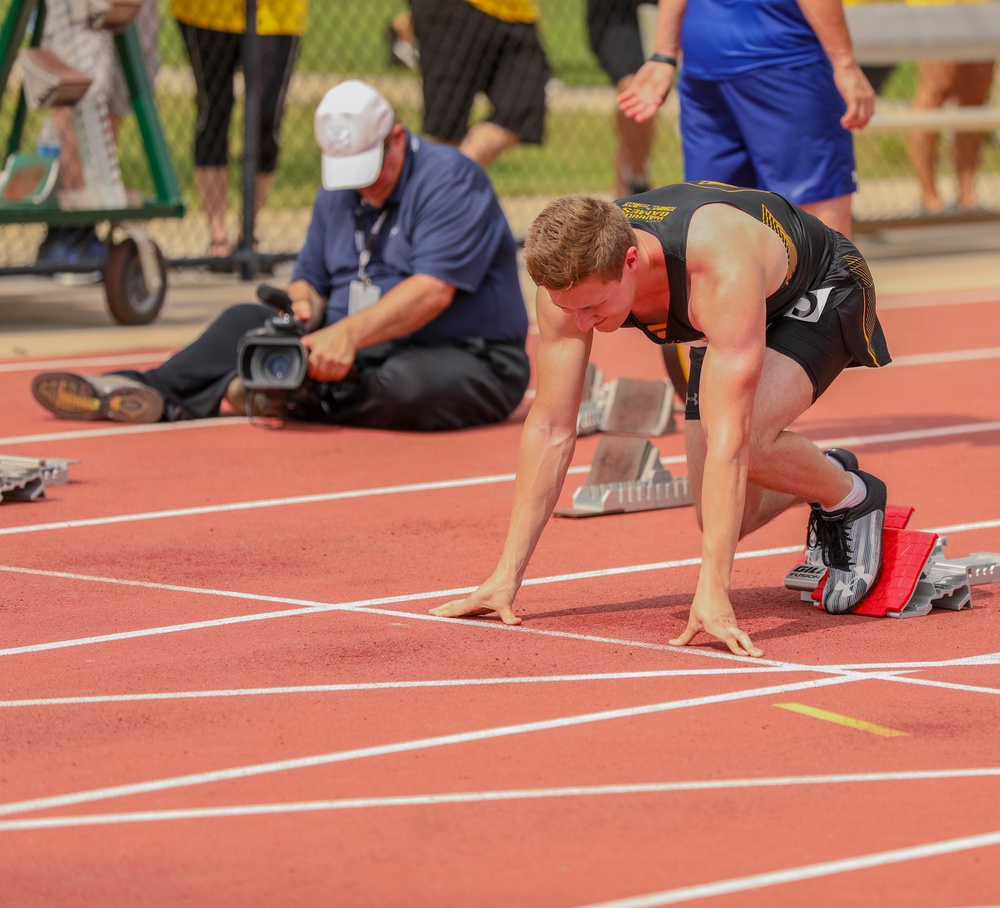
pixel 666 214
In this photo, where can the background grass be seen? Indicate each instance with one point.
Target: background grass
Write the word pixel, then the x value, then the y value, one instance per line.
pixel 348 38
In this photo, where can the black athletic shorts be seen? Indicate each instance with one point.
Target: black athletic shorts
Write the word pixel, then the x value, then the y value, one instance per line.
pixel 613 29
pixel 463 52
pixel 830 329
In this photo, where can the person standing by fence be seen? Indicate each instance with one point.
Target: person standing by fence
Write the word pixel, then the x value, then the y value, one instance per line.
pixel 769 91
pixel 615 39
pixel 213 35
pixel 967 83
pixel 488 46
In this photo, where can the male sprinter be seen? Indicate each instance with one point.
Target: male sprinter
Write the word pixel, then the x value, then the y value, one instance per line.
pixel 784 303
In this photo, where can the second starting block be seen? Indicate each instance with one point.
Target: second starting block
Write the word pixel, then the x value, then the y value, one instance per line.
pixel 26 478
pixel 626 475
pixel 916 574
pixel 625 406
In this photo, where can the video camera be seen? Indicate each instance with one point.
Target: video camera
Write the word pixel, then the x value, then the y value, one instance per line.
pixel 272 358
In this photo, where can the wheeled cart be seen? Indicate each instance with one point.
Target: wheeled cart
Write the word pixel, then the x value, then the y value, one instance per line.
pixel 135 271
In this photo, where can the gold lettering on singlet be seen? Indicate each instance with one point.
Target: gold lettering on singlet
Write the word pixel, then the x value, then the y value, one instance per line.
pixel 639 211
pixel 769 220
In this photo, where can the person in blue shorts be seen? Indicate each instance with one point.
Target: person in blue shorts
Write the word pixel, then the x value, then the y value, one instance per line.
pixel 769 91
pixel 407 287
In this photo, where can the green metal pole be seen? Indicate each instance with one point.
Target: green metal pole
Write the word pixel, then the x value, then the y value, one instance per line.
pixel 161 166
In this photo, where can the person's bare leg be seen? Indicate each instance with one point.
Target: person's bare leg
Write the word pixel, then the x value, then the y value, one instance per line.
pixel 785 468
pixel 262 189
pixel 972 87
pixel 934 79
pixel 635 142
pixel 70 165
pixel 835 213
pixel 213 184
pixel 486 141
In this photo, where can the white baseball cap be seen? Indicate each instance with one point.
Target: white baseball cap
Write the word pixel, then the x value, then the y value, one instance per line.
pixel 351 125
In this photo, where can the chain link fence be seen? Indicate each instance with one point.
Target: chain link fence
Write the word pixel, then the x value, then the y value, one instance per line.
pixel 231 219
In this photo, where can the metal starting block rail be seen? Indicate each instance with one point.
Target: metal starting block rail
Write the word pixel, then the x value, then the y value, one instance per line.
pixel 916 574
pixel 626 475
pixel 625 406
pixel 26 478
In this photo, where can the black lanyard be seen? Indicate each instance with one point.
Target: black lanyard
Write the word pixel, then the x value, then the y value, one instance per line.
pixel 365 245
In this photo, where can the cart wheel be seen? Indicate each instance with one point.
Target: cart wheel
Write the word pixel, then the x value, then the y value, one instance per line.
pixel 131 302
pixel 678 363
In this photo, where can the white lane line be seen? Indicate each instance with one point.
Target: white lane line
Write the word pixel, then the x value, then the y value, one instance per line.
pixel 896 669
pixel 113 430
pixel 806 872
pixel 487 797
pixel 399 685
pixel 877 671
pixel 914 359
pixel 86 362
pixel 503 731
pixel 239 619
pixel 262 503
pixel 982 659
pixel 933 359
pixel 910 435
pixel 361 604
pixel 271 503
pixel 968 297
pixel 944 685
pixel 440 485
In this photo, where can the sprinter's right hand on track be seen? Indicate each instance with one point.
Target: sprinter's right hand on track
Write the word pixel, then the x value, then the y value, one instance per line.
pixel 488 598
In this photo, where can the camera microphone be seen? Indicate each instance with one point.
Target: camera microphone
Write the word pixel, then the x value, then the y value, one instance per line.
pixel 275 297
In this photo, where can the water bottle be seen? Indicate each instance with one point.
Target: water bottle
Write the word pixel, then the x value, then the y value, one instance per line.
pixel 49 144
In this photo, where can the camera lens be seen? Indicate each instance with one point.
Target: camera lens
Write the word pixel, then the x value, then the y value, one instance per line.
pixel 278 366
pixel 271 362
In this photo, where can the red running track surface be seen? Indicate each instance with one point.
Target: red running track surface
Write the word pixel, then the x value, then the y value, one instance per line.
pixel 221 685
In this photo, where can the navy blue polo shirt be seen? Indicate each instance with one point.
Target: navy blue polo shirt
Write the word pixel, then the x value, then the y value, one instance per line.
pixel 443 220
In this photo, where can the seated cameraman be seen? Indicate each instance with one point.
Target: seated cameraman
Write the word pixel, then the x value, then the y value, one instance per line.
pixel 407 289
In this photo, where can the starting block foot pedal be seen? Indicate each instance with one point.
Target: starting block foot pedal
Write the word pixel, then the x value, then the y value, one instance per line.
pixel 625 406
pixel 626 475
pixel 916 576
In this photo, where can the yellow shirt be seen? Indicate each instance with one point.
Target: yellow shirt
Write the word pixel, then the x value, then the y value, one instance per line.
pixel 274 17
pixel 508 10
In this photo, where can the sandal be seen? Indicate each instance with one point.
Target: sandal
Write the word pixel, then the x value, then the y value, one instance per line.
pixel 221 250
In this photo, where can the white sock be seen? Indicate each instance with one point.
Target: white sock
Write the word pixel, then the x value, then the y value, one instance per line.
pixel 834 461
pixel 854 497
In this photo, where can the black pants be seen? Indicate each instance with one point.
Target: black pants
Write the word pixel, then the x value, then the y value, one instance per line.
pixel 398 386
pixel 215 56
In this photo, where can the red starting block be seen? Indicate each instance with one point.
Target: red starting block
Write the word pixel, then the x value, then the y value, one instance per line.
pixel 916 575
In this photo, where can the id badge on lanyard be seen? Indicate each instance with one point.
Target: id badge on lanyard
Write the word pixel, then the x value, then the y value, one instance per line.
pixel 363 293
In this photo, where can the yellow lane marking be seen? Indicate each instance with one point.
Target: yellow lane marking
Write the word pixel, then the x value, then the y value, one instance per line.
pixel 859 724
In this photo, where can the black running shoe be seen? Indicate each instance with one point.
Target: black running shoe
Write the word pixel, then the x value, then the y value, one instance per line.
pixel 847 459
pixel 814 551
pixel 851 543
